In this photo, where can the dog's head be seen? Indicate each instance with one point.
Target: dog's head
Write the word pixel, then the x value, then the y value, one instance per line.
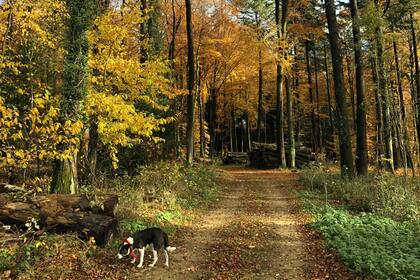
pixel 125 248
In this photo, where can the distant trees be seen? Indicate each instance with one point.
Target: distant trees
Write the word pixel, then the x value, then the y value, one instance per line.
pixel 119 84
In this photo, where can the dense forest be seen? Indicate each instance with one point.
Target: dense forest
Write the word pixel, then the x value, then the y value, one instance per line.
pixel 97 86
pixel 96 95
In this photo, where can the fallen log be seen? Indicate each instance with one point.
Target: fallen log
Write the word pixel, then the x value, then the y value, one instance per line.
pixel 90 217
pixel 236 158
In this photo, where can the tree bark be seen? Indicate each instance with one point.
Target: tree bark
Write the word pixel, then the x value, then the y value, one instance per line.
pixel 402 129
pixel 311 96
pixel 361 125
pixel 386 99
pixel 289 102
pixel 417 73
pixel 143 33
pixel 74 87
pixel 93 149
pixel 327 78
pixel 260 96
pixel 346 156
pixel 318 112
pixel 281 34
pixel 190 98
pixel 379 115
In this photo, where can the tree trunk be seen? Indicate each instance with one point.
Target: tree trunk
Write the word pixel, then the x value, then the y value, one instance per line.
pixel 260 95
pixel 402 129
pixel 311 96
pixel 417 73
pixel 379 115
pixel 74 88
pixel 327 78
pixel 298 108
pixel 386 100
pixel 190 98
pixel 201 118
pixel 143 32
pixel 281 34
pixel 361 126
pixel 413 103
pixel 318 112
pixel 346 156
pixel 93 149
pixel 289 102
pixel 64 179
pixel 8 31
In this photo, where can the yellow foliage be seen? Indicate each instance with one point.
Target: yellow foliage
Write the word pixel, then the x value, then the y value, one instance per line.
pixel 125 96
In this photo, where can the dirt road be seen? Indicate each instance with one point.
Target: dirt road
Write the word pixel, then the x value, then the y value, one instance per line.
pixel 250 233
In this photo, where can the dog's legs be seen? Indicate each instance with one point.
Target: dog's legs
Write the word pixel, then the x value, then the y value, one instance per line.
pixel 141 257
pixel 166 257
pixel 155 258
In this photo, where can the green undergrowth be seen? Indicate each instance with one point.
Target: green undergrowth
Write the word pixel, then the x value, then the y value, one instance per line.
pixel 384 194
pixel 164 194
pixel 372 221
pixel 370 245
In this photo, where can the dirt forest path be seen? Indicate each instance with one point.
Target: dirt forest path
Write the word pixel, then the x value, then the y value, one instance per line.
pixel 250 233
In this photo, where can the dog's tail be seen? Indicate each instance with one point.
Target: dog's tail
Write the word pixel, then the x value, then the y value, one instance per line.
pixel 167 247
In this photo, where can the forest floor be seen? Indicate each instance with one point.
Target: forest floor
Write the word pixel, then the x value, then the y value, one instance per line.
pixel 254 231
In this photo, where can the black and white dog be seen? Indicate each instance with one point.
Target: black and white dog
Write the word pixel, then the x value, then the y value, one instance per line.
pixel 153 237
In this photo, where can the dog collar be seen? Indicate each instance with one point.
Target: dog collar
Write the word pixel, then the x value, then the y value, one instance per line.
pixel 131 254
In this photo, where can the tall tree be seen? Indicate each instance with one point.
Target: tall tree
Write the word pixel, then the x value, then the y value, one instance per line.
pixel 81 15
pixel 384 91
pixel 346 156
pixel 361 138
pixel 281 36
pixel 190 97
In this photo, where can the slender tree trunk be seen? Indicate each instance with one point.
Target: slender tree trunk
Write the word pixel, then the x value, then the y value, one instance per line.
pixel 298 108
pixel 200 112
pixel 289 102
pixel 190 98
pixel 413 103
pixel 318 112
pixel 351 88
pixel 9 26
pixel 311 96
pixel 93 149
pixel 361 125
pixel 386 99
pixel 327 78
pixel 248 126
pixel 379 115
pixel 417 73
pixel 346 156
pixel 143 33
pixel 260 95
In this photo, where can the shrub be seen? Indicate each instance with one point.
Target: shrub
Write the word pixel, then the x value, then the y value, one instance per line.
pixel 160 194
pixel 7 260
pixel 383 194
